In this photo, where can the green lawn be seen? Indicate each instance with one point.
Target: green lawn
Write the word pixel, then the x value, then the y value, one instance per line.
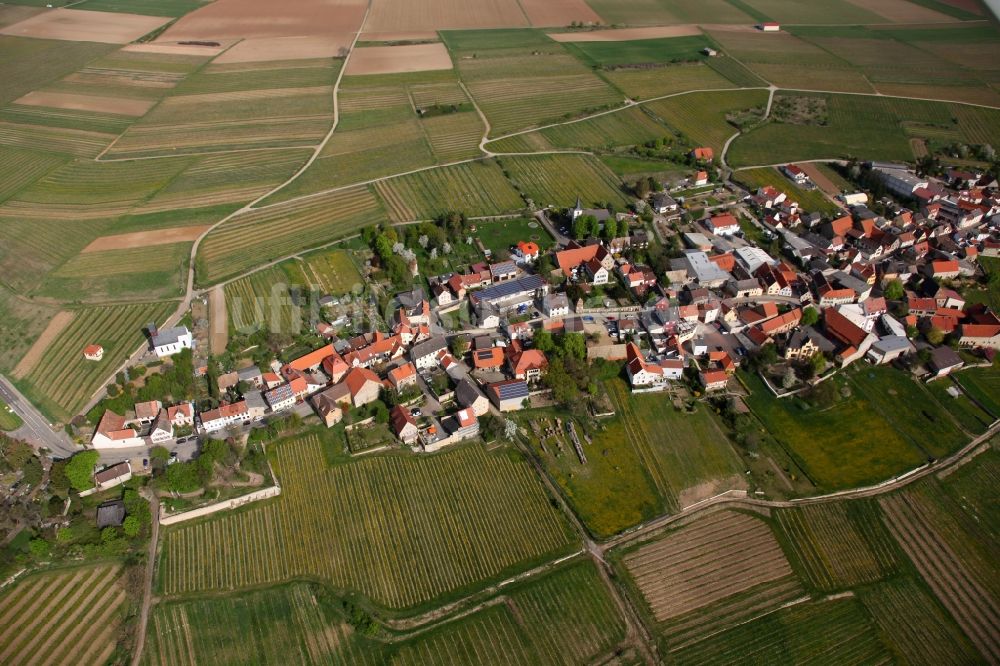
pixel 962 408
pixel 642 51
pixel 636 167
pixel 983 385
pixel 843 446
pixel 8 419
pixel 908 408
pixel 811 200
pixel 990 293
pixel 498 236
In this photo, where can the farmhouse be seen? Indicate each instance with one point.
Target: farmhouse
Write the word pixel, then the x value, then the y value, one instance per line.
pixel 853 340
pixel 281 398
pixel 93 352
pixel 700 179
pixel 703 154
pixel 795 174
pixel 944 361
pixel 769 26
pixel 723 225
pixel 109 477
pixel 169 341
pixel 889 348
pixel 425 354
pixel 555 305
pixel 527 364
pixel 402 377
pixel 468 395
pixel 463 424
pixel 161 430
pixel 181 415
pixel 329 404
pixel 364 385
pixel 115 432
pixel 403 425
pixel 662 203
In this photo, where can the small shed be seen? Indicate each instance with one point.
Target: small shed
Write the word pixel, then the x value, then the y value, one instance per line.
pixel 110 514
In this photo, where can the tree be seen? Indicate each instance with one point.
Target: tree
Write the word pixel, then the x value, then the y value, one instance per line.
pixel 131 526
pixel 80 470
pixel 581 227
pixel 58 481
pixel 459 346
pixel 543 341
pixel 809 316
pixel 159 456
pixel 894 290
pixel 788 380
pixel 934 335
pixel 32 471
pixel 40 548
pixel 611 228
pixel 818 362
pixel 574 345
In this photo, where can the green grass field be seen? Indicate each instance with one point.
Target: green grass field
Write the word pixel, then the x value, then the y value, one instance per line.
pixel 702 116
pixel 562 617
pixel 624 128
pixel 969 415
pixel 30 64
pixel 477 188
pixel 863 127
pixel 19 168
pixel 990 293
pixel 149 7
pixel 654 82
pixel 155 271
pixel 499 235
pixel 401 531
pixel 983 385
pixel 663 13
pixel 8 419
pixel 63 380
pixel 21 322
pixel 810 200
pixel 631 168
pixel 333 271
pixel 258 236
pixel 844 446
pixel 557 180
pixel 908 408
pixel 71 615
pixel 641 51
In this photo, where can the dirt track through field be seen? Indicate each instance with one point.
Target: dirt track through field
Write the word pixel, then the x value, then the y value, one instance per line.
pixel 627 34
pixel 146 238
pixel 218 320
pixel 55 326
pixel 820 179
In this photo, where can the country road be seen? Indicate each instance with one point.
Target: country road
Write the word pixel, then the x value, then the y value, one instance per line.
pixel 36 429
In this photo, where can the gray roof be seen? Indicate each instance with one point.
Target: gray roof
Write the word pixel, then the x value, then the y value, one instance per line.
pixel 426 347
pixel 110 514
pixel 945 357
pixel 254 400
pixel 247 374
pixel 467 393
pixel 892 343
pixel 411 299
pixel 169 336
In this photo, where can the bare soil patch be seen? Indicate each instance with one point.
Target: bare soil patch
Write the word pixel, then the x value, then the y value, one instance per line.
pixel 78 25
pixel 715 557
pixel 96 103
pixel 412 36
pixel 818 177
pixel 419 15
pixel 176 49
pixel 146 238
pixel 703 491
pixel 547 13
pixel 231 19
pixel 971 6
pixel 397 59
pixel 627 34
pixel 218 321
pixel 264 49
pixel 902 11
pixel 55 326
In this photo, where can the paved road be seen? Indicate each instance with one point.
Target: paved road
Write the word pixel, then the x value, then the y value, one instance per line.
pixel 36 430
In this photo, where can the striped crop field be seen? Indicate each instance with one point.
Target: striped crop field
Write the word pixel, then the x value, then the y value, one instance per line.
pixel 646 83
pixel 476 188
pixel 30 247
pixel 19 168
pixel 233 178
pixel 701 116
pixel 333 271
pixel 953 556
pixel 63 380
pixel 724 554
pixel 75 142
pixel 86 189
pixel 278 626
pixel 916 624
pixel 623 128
pixel 401 531
pixel 566 617
pixel 558 180
pixel 827 632
pixel 251 105
pixel 265 234
pixel 840 545
pixel 563 617
pixel 69 616
pixel 140 273
pixel 263 298
pixel 454 136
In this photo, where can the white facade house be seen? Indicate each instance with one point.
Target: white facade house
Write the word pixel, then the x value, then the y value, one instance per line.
pixel 170 341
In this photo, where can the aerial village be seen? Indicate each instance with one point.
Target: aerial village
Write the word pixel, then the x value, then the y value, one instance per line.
pixel 756 279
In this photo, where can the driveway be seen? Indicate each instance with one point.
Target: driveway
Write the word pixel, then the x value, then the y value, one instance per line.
pixel 36 429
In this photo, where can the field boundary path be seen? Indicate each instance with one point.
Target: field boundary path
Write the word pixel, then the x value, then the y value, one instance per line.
pixel 147 592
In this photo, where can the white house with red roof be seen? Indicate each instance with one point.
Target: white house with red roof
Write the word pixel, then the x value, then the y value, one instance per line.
pixel 93 352
pixel 723 225
pixel 114 431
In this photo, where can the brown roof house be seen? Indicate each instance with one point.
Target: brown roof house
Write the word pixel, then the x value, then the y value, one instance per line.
pixel 403 425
